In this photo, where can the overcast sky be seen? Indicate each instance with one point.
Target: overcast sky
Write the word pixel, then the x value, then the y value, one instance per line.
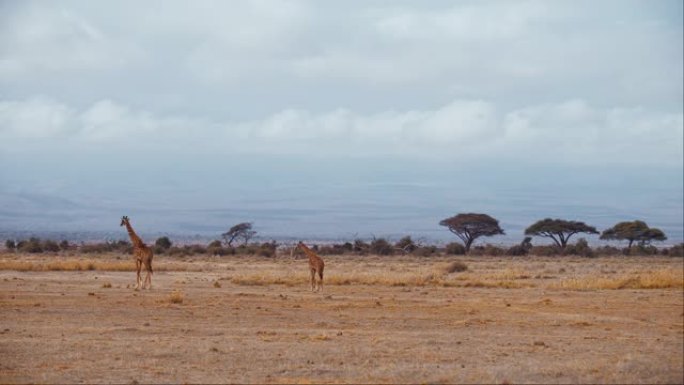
pixel 147 92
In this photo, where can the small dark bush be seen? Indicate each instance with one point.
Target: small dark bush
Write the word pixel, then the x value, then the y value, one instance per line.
pixel 455 248
pixel 517 250
pixel 607 251
pixel 545 251
pixel 487 250
pixel 425 251
pixel 674 251
pixel 50 246
pixel 581 247
pixel 268 249
pixel 64 245
pixel 10 245
pixel 361 247
pixel 163 243
pixel 33 245
pixel 406 245
pixel 380 246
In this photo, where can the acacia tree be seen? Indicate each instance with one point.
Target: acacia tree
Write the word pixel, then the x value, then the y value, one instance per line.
pixel 559 230
pixel 471 226
pixel 240 231
pixel 633 231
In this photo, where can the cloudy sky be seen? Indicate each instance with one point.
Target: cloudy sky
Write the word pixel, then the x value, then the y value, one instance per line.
pixel 311 105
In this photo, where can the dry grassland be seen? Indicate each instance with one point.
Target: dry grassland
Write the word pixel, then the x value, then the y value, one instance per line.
pixel 380 320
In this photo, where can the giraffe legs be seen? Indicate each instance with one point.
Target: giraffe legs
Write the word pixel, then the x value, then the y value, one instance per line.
pixel 138 280
pixel 313 279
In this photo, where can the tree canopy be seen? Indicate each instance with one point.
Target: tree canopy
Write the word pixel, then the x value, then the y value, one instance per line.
pixel 471 226
pixel 633 231
pixel 240 231
pixel 559 230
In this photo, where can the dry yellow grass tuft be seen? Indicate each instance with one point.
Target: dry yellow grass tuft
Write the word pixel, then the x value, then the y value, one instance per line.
pixel 176 297
pixel 455 267
pixel 659 279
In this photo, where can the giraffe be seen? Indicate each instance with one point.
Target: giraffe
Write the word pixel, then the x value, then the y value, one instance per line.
pixel 316 265
pixel 142 254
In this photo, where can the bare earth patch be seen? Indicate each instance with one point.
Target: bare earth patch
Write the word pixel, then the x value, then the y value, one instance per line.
pixel 377 320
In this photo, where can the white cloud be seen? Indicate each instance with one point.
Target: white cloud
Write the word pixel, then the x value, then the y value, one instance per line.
pixel 568 132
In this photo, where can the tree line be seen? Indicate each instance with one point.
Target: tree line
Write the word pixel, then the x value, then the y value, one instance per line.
pixel 471 226
pixel 468 227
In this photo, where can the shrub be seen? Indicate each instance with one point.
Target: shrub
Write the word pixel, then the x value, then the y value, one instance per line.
pixel 216 248
pixel 581 247
pixel 50 246
pixel 268 249
pixel 406 245
pixel 487 250
pixel 10 245
pixel 361 247
pixel 607 250
pixel 64 245
pixel 455 248
pixel 380 246
pixel 674 251
pixel 545 251
pixel 425 251
pixel 33 245
pixel 517 250
pixel 163 243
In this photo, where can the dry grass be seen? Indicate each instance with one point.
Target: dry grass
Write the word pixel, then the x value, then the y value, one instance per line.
pixel 493 323
pixel 455 267
pixel 176 297
pixel 85 265
pixel 659 279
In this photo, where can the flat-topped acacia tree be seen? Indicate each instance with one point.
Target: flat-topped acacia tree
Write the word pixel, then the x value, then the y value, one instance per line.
pixel 559 230
pixel 633 231
pixel 471 226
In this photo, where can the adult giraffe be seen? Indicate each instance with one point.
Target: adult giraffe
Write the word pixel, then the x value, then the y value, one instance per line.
pixel 142 254
pixel 316 265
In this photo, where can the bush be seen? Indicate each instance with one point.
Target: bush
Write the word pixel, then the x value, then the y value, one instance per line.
pixel 50 246
pixel 406 245
pixel 425 251
pixel 607 251
pixel 545 251
pixel 163 243
pixel 120 246
pixel 380 246
pixel 517 250
pixel 10 245
pixel 33 245
pixel 361 247
pixel 487 250
pixel 581 247
pixel 675 251
pixel 455 248
pixel 268 249
pixel 64 245
pixel 336 249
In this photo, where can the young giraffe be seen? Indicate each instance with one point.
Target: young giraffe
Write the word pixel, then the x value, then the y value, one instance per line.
pixel 316 265
pixel 142 254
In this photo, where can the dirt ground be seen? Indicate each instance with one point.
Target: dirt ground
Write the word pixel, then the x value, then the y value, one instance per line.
pixel 202 325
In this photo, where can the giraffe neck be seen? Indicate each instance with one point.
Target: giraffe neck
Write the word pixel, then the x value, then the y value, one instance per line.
pixel 135 239
pixel 309 253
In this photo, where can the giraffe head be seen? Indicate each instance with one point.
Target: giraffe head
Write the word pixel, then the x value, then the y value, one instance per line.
pixel 124 220
pixel 300 244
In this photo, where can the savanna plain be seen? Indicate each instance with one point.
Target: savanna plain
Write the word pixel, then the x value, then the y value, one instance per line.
pixel 399 319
